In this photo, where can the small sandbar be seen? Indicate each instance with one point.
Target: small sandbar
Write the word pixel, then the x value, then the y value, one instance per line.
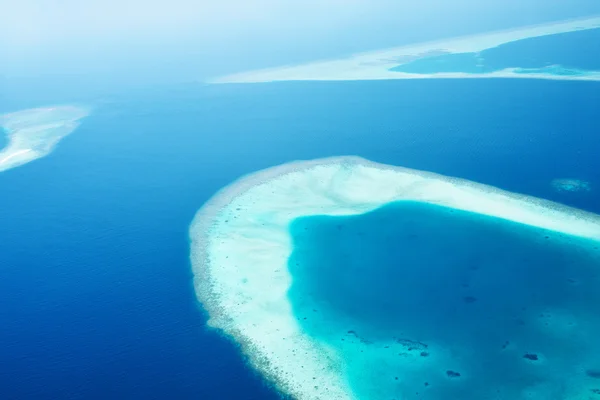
pixel 241 244
pixel 380 64
pixel 34 133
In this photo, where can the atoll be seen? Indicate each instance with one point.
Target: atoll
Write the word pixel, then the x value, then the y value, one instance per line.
pixel 240 246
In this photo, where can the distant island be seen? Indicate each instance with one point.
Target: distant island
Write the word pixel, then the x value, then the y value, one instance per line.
pixel 539 56
pixel 534 52
pixel 34 133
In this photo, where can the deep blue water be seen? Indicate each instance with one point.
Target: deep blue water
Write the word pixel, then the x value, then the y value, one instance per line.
pixel 574 51
pixel 96 294
pixel 411 276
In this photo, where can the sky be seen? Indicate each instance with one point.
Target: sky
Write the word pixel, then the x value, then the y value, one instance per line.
pixel 123 42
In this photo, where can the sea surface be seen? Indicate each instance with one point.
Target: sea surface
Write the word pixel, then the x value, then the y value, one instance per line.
pixel 96 294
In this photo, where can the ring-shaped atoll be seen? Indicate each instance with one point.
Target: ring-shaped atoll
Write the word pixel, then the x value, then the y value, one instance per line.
pixel 241 243
pixel 34 133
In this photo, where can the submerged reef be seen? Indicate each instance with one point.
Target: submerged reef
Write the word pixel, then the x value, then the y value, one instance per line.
pixel 571 185
pixel 240 252
pixel 34 133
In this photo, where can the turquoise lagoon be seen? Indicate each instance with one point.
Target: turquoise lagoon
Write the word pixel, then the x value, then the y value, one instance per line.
pixel 429 302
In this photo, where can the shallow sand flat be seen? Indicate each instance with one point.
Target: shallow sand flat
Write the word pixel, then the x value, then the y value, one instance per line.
pixel 34 133
pixel 571 185
pixel 375 65
pixel 240 245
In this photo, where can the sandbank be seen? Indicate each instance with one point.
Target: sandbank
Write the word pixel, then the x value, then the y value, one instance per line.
pixel 240 245
pixel 34 133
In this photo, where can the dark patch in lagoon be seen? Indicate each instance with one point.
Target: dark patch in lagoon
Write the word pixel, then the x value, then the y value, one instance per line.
pixel 452 374
pixel 593 373
pixel 360 338
pixel 531 356
pixel 411 344
pixel 469 299
pixel 392 289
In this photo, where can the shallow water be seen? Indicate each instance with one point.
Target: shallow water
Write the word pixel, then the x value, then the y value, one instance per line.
pixel 429 302
pixel 3 139
pixel 578 51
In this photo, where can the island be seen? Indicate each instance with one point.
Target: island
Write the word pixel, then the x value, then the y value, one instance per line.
pixel 34 133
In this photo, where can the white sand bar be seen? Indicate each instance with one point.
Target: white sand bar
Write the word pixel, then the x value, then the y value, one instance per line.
pixel 377 64
pixel 34 133
pixel 240 245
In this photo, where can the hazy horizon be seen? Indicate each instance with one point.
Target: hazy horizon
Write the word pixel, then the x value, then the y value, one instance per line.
pixel 101 46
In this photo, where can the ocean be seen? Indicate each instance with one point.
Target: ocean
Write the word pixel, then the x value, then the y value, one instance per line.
pixel 96 295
